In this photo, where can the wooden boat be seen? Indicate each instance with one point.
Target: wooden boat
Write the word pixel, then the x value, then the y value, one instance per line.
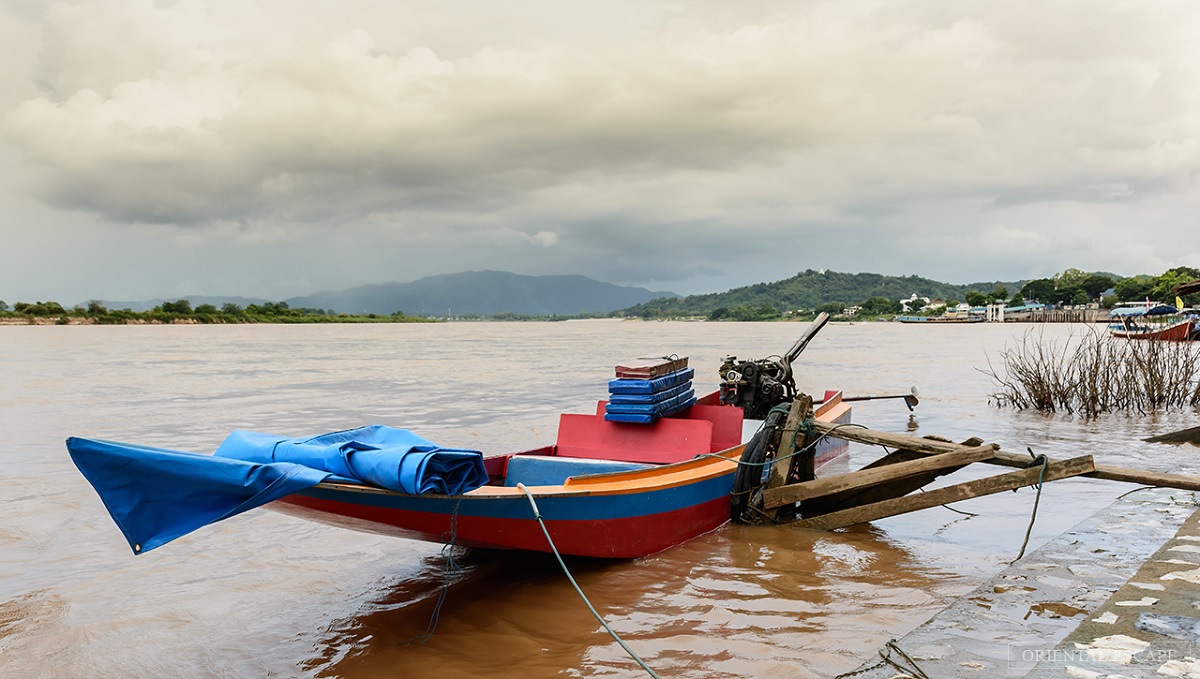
pixel 1162 323
pixel 1178 331
pixel 604 489
pixel 940 319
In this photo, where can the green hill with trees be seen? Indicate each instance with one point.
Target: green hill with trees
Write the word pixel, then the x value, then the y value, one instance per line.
pixel 810 291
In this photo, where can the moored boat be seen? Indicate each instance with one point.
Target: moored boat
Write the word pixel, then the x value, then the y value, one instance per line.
pixel 604 489
pixel 1161 322
pixel 940 319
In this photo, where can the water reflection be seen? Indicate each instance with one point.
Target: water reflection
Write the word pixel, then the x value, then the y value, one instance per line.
pixel 742 601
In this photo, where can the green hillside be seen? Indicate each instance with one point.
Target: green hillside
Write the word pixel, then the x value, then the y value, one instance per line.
pixel 810 289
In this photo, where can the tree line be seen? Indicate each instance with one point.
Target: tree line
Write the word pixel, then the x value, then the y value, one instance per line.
pixel 181 311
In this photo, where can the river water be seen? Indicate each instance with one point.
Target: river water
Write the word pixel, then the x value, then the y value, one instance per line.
pixel 264 594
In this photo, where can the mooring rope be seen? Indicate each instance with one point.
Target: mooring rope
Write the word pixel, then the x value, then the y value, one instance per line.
pixel 452 568
pixel 538 515
pixel 1044 461
pixel 912 671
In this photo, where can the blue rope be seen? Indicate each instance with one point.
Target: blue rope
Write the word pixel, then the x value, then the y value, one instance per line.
pixel 538 515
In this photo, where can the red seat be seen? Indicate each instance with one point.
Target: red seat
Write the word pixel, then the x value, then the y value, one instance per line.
pixel 726 422
pixel 663 442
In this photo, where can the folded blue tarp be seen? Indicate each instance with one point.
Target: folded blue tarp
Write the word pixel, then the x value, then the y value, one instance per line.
pixel 157 495
pixel 631 386
pixel 650 399
pixel 646 414
pixel 396 459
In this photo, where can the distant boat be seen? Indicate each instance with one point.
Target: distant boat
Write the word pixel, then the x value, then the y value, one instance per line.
pixel 1162 322
pixel 940 319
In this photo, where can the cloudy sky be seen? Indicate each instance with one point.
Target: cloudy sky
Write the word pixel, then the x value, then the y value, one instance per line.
pixel 281 147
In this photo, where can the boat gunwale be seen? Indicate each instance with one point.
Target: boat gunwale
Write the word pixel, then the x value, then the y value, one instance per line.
pixel 624 482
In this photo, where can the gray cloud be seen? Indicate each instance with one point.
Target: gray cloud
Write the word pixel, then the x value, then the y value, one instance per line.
pixel 596 138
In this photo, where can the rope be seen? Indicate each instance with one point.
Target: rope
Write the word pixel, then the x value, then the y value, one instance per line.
pixel 1038 498
pixel 538 515
pixel 912 670
pixel 452 569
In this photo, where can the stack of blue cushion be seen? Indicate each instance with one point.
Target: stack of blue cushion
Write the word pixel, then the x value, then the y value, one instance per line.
pixel 644 401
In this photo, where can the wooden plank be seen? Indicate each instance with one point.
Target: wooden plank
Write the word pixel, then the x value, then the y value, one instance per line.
pixel 801 410
pixel 865 478
pixel 1146 478
pixel 916 444
pixel 962 491
pixel 1005 458
pixel 885 491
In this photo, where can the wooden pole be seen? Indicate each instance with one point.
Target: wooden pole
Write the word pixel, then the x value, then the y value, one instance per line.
pixel 775 497
pixel 987 486
pixel 932 447
pixel 802 409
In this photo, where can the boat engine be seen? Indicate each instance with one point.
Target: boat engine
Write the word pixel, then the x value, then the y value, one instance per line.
pixel 758 385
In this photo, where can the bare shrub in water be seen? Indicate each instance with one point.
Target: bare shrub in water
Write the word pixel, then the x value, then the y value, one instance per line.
pixel 1096 373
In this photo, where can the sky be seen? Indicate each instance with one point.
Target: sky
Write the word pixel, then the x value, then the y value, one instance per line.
pixel 152 149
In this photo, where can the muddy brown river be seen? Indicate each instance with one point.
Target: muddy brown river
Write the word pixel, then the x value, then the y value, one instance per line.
pixel 264 594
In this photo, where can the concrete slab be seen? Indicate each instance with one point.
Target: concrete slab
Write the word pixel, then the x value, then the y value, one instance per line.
pixel 1027 620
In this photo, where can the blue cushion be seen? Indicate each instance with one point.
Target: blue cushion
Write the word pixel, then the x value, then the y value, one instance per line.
pixel 550 470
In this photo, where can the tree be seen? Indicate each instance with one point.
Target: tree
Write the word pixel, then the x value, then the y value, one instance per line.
pixel 39 308
pixel 206 309
pixel 1000 293
pixel 1017 300
pixel 1164 283
pixel 1132 289
pixel 977 298
pixel 1067 295
pixel 1071 278
pixel 831 308
pixel 877 306
pixel 95 308
pixel 179 306
pixel 767 311
pixel 3 306
pixel 1095 284
pixel 1041 290
pixel 232 309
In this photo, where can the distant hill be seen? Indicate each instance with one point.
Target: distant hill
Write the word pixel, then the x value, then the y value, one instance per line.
pixel 196 300
pixel 810 289
pixel 482 292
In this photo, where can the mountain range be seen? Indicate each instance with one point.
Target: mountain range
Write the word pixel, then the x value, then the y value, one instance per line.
pixel 485 293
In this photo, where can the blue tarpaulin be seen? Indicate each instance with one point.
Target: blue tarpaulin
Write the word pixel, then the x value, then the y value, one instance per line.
pixel 396 459
pixel 156 495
